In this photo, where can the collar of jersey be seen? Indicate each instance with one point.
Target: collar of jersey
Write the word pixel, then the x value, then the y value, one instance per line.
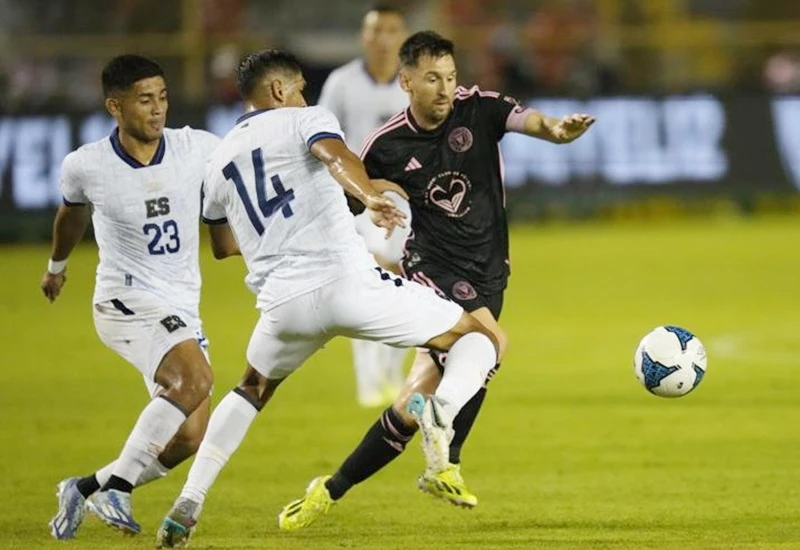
pixel 419 129
pixel 116 144
pixel 252 114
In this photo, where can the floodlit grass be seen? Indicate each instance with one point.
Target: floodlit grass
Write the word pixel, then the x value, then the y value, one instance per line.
pixel 570 452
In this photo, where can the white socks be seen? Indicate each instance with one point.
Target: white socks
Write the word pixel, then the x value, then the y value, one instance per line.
pixel 158 423
pixel 228 425
pixel 468 363
pixel 154 471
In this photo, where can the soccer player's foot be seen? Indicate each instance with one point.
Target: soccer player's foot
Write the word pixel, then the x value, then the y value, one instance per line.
pixel 436 428
pixel 448 485
pixel 178 526
pixel 71 510
pixel 305 511
pixel 114 509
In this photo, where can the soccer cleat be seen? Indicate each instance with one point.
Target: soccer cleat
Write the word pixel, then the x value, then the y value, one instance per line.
pixel 305 511
pixel 178 527
pixel 114 509
pixel 448 485
pixel 437 431
pixel 71 510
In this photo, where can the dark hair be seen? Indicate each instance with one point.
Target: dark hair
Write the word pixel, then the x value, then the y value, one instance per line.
pixel 254 66
pixel 424 43
pixel 386 7
pixel 124 71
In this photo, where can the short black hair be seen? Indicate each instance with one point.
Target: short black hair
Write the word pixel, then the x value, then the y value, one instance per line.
pixel 386 7
pixel 124 71
pixel 424 43
pixel 254 66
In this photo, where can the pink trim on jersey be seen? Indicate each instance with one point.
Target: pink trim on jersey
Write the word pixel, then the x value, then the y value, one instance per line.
pixel 405 112
pixel 424 280
pixel 517 117
pixel 463 93
pixel 393 123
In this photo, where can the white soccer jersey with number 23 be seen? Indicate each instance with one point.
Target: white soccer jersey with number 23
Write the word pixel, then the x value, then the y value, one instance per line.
pixel 145 216
pixel 288 214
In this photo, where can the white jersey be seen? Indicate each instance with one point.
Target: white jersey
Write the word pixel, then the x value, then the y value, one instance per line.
pixel 288 214
pixel 359 102
pixel 145 216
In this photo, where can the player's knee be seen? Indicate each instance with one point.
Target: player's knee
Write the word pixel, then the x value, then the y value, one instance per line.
pixel 257 388
pixel 202 380
pixel 195 384
pixel 473 325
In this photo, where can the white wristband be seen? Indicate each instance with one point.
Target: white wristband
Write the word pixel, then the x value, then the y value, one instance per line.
pixel 56 267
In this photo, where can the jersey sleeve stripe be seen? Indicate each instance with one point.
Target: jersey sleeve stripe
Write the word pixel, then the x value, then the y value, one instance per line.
pixel 395 122
pixel 218 221
pixel 321 135
pixel 72 203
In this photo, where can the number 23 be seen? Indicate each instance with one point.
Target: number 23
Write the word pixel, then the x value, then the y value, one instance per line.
pixel 168 229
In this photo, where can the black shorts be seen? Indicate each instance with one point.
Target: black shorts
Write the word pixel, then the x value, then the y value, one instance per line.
pixel 455 288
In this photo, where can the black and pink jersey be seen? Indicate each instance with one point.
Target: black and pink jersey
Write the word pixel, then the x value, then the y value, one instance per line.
pixel 454 179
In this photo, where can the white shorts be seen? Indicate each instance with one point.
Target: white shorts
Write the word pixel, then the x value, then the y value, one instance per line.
pixel 368 304
pixel 389 251
pixel 142 330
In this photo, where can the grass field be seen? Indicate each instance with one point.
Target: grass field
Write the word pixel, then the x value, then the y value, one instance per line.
pixel 570 452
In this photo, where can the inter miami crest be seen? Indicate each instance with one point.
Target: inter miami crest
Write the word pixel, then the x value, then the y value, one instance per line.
pixel 460 139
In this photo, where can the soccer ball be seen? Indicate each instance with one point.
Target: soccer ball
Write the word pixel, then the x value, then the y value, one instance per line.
pixel 670 361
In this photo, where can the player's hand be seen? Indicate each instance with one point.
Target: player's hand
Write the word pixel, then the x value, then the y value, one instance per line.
pixel 571 127
pixel 52 284
pixel 381 186
pixel 384 213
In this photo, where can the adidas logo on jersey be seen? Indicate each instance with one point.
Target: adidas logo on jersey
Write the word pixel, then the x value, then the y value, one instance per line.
pixel 413 164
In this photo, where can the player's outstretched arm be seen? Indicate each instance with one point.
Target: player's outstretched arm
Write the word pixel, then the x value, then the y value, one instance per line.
pixel 348 170
pixel 68 228
pixel 555 130
pixel 223 243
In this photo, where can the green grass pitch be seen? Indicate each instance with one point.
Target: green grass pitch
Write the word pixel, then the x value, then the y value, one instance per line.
pixel 570 452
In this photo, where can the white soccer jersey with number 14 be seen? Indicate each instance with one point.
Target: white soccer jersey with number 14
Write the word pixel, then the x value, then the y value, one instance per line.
pixel 145 216
pixel 288 214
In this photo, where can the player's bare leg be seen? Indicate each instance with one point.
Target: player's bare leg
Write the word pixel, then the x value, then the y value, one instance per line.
pixel 449 483
pixel 226 430
pixel 186 377
pixel 73 492
pixel 388 437
pixel 472 350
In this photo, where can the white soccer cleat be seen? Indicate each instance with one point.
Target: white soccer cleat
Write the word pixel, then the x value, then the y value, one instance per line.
pixel 436 428
pixel 114 509
pixel 179 525
pixel 71 509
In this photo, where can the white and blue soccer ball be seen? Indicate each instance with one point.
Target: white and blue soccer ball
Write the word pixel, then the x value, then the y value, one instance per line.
pixel 670 361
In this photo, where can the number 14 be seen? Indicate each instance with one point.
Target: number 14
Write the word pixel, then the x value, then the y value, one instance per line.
pixel 280 201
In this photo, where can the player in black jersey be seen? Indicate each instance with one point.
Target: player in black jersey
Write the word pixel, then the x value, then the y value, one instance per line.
pixel 443 151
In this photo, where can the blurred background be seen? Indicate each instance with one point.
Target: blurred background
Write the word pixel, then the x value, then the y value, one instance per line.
pixel 693 97
pixel 679 206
